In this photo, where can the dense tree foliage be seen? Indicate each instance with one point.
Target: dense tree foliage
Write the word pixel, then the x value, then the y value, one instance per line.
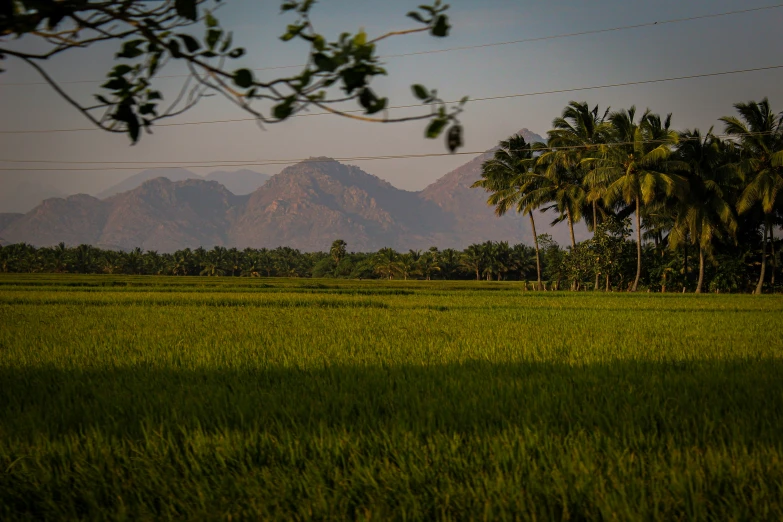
pixel 707 205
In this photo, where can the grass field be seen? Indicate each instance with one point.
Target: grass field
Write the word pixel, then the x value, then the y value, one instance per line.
pixel 193 398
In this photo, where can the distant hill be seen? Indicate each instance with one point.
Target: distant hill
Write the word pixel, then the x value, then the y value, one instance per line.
pixel 22 190
pixel 132 182
pixel 310 204
pixel 159 215
pixel 240 182
pixel 306 206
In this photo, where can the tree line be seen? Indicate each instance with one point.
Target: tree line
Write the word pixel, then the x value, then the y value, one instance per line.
pixel 610 251
pixel 696 198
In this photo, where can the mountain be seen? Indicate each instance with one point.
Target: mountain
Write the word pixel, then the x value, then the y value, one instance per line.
pixel 240 182
pixel 166 216
pixel 132 182
pixel 7 219
pixel 310 204
pixel 23 190
pixel 475 221
pixel 306 206
pixel 159 215
pixel 74 220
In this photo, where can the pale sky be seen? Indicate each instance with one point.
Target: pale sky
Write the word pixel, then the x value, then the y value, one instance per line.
pixel 704 46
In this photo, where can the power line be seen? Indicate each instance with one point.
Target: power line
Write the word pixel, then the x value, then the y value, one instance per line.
pixel 481 46
pixel 268 162
pixel 488 98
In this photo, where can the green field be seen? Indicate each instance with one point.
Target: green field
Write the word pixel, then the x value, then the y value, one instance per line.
pixel 225 398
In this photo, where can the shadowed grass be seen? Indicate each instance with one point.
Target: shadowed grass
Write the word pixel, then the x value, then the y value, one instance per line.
pixel 431 404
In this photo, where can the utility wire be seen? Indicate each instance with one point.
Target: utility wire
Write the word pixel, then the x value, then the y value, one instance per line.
pixel 482 46
pixel 488 98
pixel 268 162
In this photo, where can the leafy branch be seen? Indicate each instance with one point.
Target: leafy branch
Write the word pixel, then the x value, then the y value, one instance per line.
pixel 154 36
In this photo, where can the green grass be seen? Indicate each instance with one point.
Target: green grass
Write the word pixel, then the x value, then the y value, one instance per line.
pixel 185 398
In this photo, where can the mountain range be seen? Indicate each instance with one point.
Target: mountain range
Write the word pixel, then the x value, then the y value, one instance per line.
pixel 23 190
pixel 305 206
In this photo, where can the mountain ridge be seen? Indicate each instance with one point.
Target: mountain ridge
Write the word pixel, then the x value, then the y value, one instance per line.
pixel 305 206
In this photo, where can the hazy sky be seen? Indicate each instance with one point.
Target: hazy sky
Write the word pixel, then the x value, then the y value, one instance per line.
pixel 695 47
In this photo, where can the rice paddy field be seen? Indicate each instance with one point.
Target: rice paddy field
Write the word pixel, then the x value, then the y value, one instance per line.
pixel 132 398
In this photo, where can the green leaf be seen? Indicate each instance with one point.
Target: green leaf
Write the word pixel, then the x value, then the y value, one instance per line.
pixel 416 16
pixel 120 70
pixel 125 114
pixel 420 92
pixel 243 78
pixel 147 108
pixel 186 9
pixel 293 31
pixel 360 39
pixel 191 43
pixel 102 99
pixel 213 36
pixel 367 98
pixel 324 63
pixel 283 110
pixel 288 6
pixel 173 47
pixel 208 54
pixel 454 137
pixel 154 95
pixel 211 20
pixel 236 53
pixel 441 27
pixel 435 127
pixel 116 84
pixel 464 100
pixel 131 49
pixel 353 78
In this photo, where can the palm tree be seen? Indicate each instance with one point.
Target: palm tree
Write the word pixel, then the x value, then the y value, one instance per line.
pixel 386 262
pixel 507 177
pixel 84 259
pixel 576 135
pixel 338 250
pixel 408 264
pixel 473 260
pixel 636 167
pixel 428 263
pixel 449 262
pixel 706 212
pixel 760 133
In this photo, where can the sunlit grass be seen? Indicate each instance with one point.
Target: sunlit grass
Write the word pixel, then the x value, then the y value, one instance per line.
pixel 148 397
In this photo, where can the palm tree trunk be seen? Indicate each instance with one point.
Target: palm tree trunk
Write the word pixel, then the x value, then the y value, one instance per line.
pixel 701 271
pixel 773 260
pixel 638 246
pixel 595 217
pixel 685 264
pixel 760 284
pixel 538 255
pixel 571 227
pixel 595 231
